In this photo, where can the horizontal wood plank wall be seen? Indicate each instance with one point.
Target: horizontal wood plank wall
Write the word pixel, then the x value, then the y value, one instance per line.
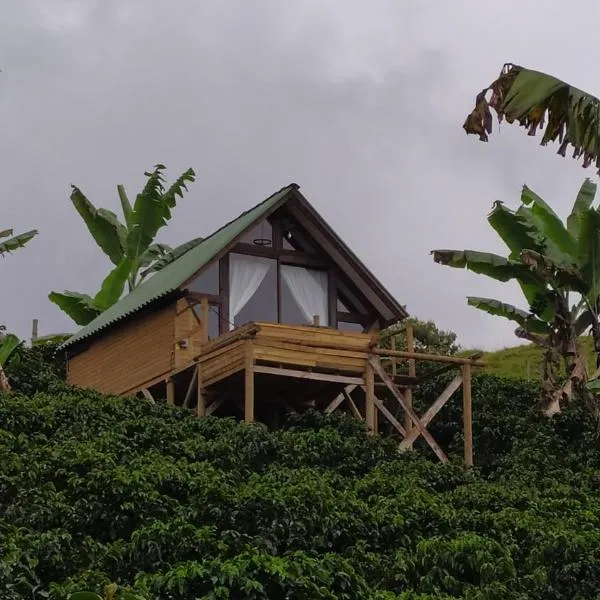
pixel 129 355
pixel 312 347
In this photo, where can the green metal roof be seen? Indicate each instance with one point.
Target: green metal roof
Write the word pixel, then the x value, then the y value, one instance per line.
pixel 170 278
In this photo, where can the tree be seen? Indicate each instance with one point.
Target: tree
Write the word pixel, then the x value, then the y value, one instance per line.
pixel 427 337
pixel 554 264
pixel 533 99
pixel 129 245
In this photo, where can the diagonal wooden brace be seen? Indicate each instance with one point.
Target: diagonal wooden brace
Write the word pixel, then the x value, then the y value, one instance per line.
pixel 433 410
pixel 377 367
pixel 340 398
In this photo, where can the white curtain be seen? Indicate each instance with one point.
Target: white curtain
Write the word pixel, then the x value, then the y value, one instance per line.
pixel 309 289
pixel 246 273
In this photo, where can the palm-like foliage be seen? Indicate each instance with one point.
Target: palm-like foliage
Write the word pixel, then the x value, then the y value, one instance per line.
pixel 533 99
pixel 8 344
pixel 10 242
pixel 129 245
pixel 558 269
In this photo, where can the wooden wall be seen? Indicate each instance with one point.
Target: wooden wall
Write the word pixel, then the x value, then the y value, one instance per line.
pixel 128 355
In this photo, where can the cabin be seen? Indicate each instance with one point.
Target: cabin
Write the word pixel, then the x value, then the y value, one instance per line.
pixel 270 313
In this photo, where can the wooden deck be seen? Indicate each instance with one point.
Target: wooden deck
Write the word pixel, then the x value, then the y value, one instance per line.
pixel 262 370
pixel 303 352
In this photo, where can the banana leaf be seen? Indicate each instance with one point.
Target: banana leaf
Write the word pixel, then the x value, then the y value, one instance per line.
pixel 125 206
pixel 8 344
pixel 583 202
pixel 80 307
pixel 113 285
pixel 170 256
pixel 103 224
pixel 15 242
pixel 485 263
pixel 560 245
pixel 494 307
pixel 589 252
pixel 534 99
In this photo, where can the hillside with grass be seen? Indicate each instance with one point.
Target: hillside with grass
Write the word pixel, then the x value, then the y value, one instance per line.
pixel 116 495
pixel 525 361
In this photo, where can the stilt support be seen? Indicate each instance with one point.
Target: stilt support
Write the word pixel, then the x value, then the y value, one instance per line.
pixel 249 384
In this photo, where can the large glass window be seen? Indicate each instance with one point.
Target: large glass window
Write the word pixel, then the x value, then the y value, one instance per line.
pixel 304 295
pixel 345 326
pixel 252 289
pixel 207 282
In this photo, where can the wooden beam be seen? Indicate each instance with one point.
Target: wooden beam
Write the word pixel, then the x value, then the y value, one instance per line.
pixel 422 430
pixel 334 404
pixel 214 406
pixel 467 415
pixel 170 391
pixel 224 293
pixel 148 395
pixel 297 374
pixel 249 383
pixel 436 372
pixel 204 319
pixel 353 408
pixel 456 360
pixel 200 398
pixel 339 398
pixel 408 394
pixel 370 397
pixel 290 257
pixel 390 417
pixel 196 298
pixel 433 410
pixel 191 387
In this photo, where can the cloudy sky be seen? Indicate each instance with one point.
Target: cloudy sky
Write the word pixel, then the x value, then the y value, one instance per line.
pixel 360 103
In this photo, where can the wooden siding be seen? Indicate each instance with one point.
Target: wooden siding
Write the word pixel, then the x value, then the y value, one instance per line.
pixel 128 356
pixel 318 348
pixel 311 347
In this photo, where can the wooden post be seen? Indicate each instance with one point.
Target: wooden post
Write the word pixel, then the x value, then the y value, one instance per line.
pixel 394 361
pixel 408 394
pixel 370 397
pixel 467 415
pixel 204 318
pixel 170 391
pixel 34 331
pixel 249 383
pixel 200 399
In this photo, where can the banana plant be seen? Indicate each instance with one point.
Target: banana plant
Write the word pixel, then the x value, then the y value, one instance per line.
pixel 14 241
pixel 8 345
pixel 130 245
pixel 557 267
pixel 534 99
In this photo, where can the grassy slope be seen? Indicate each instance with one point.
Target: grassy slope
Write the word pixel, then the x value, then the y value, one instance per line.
pixel 524 361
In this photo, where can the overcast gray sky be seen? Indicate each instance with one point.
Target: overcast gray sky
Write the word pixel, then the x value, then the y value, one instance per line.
pixel 360 103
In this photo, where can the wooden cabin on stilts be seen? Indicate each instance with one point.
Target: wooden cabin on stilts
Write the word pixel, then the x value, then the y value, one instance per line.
pixel 269 314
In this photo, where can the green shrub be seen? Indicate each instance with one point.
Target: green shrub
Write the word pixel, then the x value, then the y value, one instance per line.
pixel 97 489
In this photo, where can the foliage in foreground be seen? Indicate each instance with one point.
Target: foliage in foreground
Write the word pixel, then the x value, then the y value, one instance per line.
pixel 536 100
pixel 97 490
pixel 129 245
pixel 555 265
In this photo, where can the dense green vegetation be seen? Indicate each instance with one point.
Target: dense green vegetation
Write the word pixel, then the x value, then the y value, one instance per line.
pixel 97 490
